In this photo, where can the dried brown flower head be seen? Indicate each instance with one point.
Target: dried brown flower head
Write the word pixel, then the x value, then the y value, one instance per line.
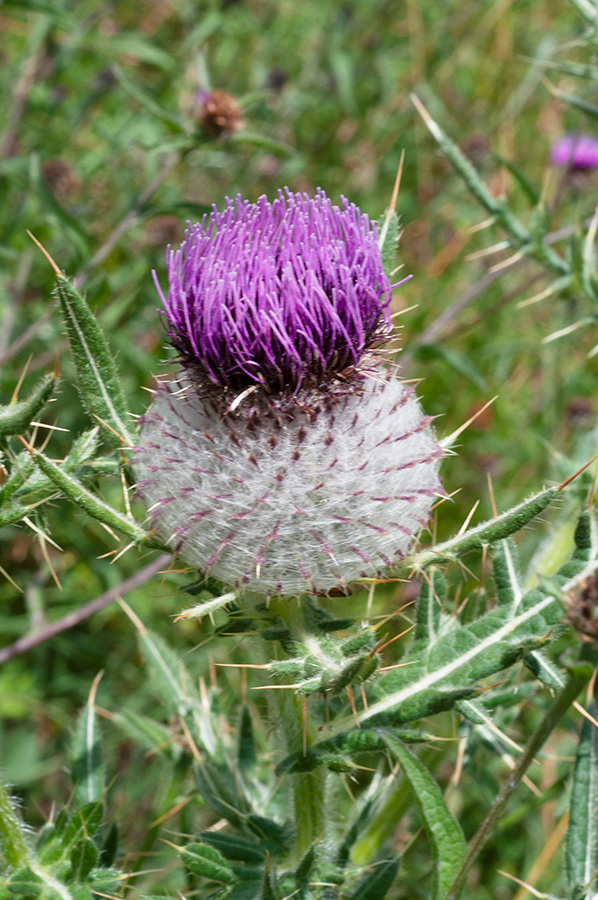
pixel 219 113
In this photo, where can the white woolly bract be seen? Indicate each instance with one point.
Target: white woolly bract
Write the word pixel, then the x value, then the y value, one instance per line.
pixel 309 500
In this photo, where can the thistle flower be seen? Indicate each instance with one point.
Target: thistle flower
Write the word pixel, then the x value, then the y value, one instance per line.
pixel 218 113
pixel 576 151
pixel 285 456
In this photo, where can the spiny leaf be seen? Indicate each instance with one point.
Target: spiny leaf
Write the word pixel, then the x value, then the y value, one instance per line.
pixel 16 417
pixel 81 496
pixel 206 861
pixel 443 671
pixel 444 834
pixel 544 670
pixel 488 532
pixel 582 835
pixel 98 379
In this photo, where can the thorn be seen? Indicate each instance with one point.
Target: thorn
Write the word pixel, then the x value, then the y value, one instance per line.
pixel 353 707
pixel 242 665
pixel 491 492
pixel 94 688
pixel 132 616
pixel 171 812
pixel 15 393
pixel 49 427
pixel 113 430
pixel 585 713
pixel 568 480
pixel 11 580
pixel 536 298
pixel 465 524
pixel 393 201
pixel 447 442
pixel 364 698
pixel 42 534
pixel 382 646
pixel 398 665
pixel 523 884
pixel 192 745
pixel 397 612
pixel 57 271
pixel 26 445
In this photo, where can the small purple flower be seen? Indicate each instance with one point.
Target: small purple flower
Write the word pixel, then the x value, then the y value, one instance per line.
pixel 285 456
pixel 279 294
pixel 576 151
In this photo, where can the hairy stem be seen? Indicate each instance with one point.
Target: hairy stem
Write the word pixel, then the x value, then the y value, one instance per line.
pixel 12 838
pixel 309 788
pixel 554 714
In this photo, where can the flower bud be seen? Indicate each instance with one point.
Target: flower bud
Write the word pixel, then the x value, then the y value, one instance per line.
pixel 285 456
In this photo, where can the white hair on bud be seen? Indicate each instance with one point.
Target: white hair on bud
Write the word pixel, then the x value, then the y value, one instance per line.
pixel 310 499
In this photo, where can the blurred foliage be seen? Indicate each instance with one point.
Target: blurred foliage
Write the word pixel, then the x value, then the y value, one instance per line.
pixel 103 159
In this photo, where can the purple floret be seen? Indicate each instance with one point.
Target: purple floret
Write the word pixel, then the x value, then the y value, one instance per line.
pixel 281 294
pixel 576 151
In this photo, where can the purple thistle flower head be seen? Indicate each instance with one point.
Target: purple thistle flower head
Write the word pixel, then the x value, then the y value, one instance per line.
pixel 283 295
pixel 284 457
pixel 576 151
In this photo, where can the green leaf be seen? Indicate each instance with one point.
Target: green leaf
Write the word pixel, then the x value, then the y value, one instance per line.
pixel 145 100
pixel 148 733
pixel 235 848
pixel 269 891
pixel 16 417
pixel 88 769
pixel 206 861
pixel 544 670
pixel 98 379
pixel 261 141
pixel 506 574
pixel 444 834
pixel 246 755
pixel 84 856
pixel 429 604
pixel 456 361
pixel 388 236
pixel 527 186
pixel 581 853
pixel 377 882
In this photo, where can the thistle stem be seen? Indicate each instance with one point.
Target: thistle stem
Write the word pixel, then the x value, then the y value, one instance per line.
pixel 309 788
pixel 554 714
pixel 12 838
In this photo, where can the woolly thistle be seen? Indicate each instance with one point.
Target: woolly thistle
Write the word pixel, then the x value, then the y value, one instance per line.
pixel 576 151
pixel 285 456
